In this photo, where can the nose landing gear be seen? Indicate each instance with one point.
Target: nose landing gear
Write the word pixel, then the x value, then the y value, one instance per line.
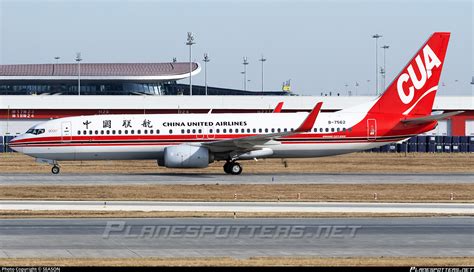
pixel 233 168
pixel 55 169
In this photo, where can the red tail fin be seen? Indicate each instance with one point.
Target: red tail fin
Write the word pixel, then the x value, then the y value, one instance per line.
pixel 414 89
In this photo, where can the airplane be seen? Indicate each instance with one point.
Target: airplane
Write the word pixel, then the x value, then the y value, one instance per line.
pixel 402 111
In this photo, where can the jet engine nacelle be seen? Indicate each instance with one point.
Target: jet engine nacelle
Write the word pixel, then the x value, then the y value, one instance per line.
pixel 186 156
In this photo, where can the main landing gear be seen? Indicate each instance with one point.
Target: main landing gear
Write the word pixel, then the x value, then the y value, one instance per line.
pixel 55 169
pixel 232 167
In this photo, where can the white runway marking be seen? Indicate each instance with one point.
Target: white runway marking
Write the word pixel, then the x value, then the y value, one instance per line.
pixel 315 207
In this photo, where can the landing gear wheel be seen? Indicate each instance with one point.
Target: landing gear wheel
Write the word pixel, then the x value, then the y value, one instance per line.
pixel 227 166
pixel 235 168
pixel 55 170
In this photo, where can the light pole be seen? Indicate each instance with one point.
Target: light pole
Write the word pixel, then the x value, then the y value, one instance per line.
pixel 206 60
pixel 57 61
pixel 78 59
pixel 262 59
pixel 376 37
pixel 245 63
pixel 190 42
pixel 384 75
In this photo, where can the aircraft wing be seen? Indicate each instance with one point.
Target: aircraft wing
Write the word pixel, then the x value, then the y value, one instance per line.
pixel 250 142
pixel 430 118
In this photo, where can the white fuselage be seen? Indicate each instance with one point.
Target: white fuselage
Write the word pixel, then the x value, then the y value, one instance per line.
pixel 135 137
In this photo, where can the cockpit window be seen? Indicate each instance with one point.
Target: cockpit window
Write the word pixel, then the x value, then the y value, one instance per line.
pixel 35 131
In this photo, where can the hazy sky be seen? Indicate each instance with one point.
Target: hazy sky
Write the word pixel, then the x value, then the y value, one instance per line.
pixel 319 45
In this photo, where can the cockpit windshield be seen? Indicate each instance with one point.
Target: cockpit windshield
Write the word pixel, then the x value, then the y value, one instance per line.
pixel 35 131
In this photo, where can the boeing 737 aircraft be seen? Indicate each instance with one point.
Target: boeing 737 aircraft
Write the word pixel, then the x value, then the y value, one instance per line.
pixel 196 140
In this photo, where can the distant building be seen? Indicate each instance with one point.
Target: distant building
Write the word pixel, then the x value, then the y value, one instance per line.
pixel 106 79
pixel 33 93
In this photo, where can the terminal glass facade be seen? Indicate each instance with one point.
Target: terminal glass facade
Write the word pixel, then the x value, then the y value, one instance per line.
pixel 87 88
pixel 98 87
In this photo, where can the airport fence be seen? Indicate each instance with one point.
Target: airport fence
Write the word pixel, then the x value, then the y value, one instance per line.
pixel 432 144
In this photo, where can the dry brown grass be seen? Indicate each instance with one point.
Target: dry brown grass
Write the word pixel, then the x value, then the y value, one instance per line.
pixel 253 261
pixel 350 163
pixel 245 192
pixel 10 214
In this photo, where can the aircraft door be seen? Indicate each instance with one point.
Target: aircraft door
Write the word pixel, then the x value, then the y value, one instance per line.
pixel 371 129
pixel 66 131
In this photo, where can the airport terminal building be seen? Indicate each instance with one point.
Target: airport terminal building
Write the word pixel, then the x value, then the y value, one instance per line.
pixel 32 93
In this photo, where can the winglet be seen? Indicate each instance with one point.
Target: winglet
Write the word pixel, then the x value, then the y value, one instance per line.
pixel 278 107
pixel 309 121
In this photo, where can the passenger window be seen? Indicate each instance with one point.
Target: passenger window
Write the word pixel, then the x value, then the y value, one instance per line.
pixel 344 129
pixel 218 130
pixel 194 131
pixel 126 131
pixel 259 130
pixel 145 131
pixel 350 129
pixel 291 129
pixel 279 130
pixel 119 131
pixel 315 130
pixel 78 132
pixel 230 130
pixel 84 132
pixel 266 130
pixel 327 129
pixel 132 132
pixel 139 132
pixel 254 130
pixel 338 129
pixel 90 132
pixel 182 131
pixel 113 132
pixel 171 131
pixel 96 132
pixel 199 130
pixel 285 130
pixel 108 132
pixel 332 129
pixel 210 130
pixel 273 130
pixel 157 131
pixel 320 129
pixel 224 130
pixel 102 132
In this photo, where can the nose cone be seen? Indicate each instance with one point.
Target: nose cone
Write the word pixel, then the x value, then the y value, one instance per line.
pixel 13 144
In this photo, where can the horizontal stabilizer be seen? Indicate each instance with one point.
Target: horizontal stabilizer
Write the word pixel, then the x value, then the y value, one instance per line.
pixel 430 118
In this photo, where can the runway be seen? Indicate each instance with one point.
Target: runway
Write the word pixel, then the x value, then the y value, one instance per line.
pixel 154 178
pixel 278 207
pixel 239 238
